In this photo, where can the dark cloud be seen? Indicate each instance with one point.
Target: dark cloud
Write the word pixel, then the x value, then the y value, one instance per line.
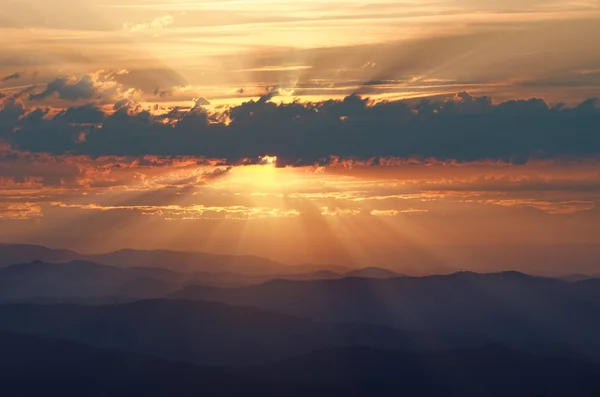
pixel 10 113
pixel 85 114
pixel 216 173
pixel 199 102
pixel 268 96
pixel 81 89
pixel 462 128
pixel 162 93
pixel 14 76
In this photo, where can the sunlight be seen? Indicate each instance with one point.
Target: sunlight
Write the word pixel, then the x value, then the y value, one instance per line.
pixel 265 177
pixel 268 160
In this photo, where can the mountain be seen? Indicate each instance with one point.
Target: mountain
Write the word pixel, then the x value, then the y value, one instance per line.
pixel 504 306
pixel 84 279
pixel 491 371
pixel 580 277
pixel 34 366
pixel 315 268
pixel 178 261
pixel 373 272
pixel 188 262
pixel 12 254
pixel 208 333
pixel 144 288
pixel 79 280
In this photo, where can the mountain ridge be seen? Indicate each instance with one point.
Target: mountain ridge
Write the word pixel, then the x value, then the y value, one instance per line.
pixel 209 333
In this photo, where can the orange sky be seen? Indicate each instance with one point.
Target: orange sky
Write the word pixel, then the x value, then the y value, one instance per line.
pixel 217 48
pixel 149 124
pixel 412 215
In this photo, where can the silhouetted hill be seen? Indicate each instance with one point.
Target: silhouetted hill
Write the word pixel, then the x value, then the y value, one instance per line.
pixel 489 371
pixel 228 279
pixel 504 306
pixel 145 288
pixel 33 366
pixel 314 267
pixel 226 269
pixel 187 262
pixel 373 272
pixel 79 280
pixel 12 254
pixel 84 279
pixel 580 277
pixel 208 333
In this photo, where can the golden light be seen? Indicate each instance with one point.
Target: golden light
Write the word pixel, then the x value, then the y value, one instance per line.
pixel 268 160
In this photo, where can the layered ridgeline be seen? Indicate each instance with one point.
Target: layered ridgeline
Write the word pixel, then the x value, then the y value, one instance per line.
pixel 35 366
pixel 88 280
pixel 37 273
pixel 178 261
pixel 211 333
pixel 297 331
pixel 153 348
pixel 504 306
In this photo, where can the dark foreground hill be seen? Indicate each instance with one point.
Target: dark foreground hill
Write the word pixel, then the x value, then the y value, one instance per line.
pixel 209 333
pixel 34 366
pixel 490 371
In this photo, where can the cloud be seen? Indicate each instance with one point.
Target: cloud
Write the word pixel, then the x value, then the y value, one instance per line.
pixel 24 211
pixel 199 102
pixel 85 114
pixel 100 86
pixel 14 76
pixel 10 113
pixel 369 65
pixel 156 24
pixel 216 173
pixel 81 89
pixel 462 128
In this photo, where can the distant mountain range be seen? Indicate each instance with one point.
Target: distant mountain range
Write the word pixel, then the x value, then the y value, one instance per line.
pixel 177 261
pixel 504 306
pixel 84 279
pixel 29 272
pixel 507 307
pixel 186 262
pixel 73 324
pixel 580 277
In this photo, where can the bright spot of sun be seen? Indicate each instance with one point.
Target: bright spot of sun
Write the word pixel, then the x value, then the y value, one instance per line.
pixel 268 159
pixel 264 176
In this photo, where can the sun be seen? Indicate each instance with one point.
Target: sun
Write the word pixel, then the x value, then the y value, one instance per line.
pixel 268 160
pixel 266 175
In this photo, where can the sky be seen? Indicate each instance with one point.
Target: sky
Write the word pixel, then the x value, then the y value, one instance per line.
pixel 419 135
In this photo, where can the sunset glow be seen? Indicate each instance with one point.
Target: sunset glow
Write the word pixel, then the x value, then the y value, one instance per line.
pixel 328 131
pixel 238 198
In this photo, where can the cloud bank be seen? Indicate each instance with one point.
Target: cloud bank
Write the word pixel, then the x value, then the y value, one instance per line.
pixel 463 129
